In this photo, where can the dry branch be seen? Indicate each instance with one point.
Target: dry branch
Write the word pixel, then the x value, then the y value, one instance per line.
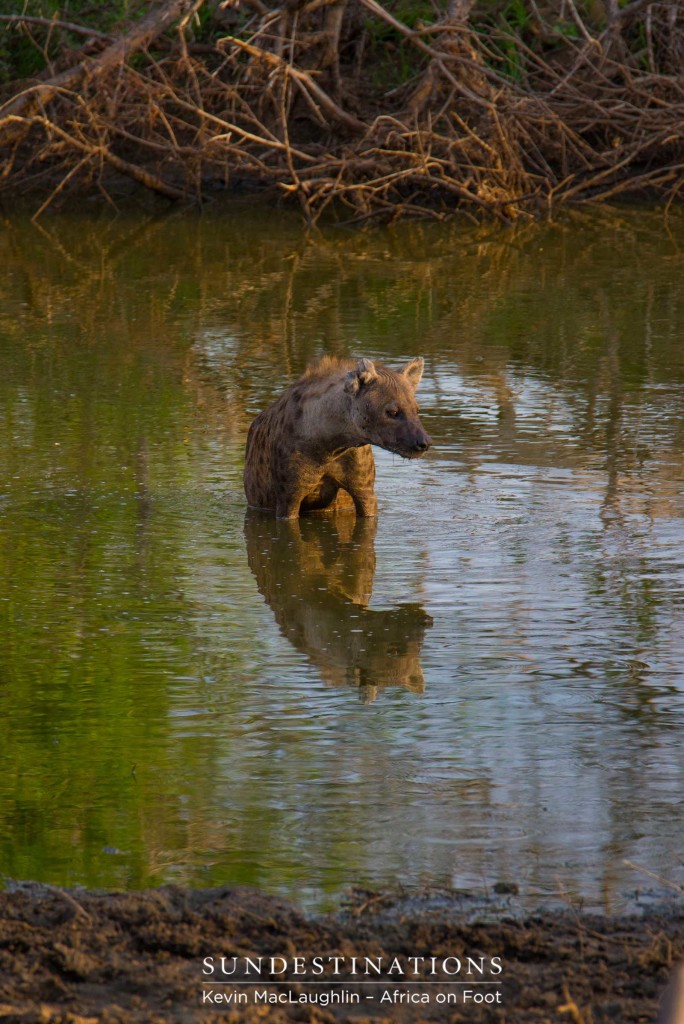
pixel 439 57
pixel 285 99
pixel 303 78
pixel 17 20
pixel 103 153
pixel 140 36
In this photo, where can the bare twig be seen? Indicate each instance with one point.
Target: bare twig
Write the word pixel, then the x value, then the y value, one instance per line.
pixel 305 79
pixel 583 122
pixel 17 20
pixel 140 36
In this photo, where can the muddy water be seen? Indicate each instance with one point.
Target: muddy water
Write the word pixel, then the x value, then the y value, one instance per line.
pixel 484 686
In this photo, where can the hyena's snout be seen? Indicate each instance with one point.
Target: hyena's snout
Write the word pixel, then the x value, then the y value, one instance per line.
pixel 415 441
pixel 422 442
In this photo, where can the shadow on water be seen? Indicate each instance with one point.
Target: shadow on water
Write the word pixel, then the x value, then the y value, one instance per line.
pixel 317 574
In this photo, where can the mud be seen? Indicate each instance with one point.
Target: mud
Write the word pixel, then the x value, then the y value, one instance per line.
pixel 67 957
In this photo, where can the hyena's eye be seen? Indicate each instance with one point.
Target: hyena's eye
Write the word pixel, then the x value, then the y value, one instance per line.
pixel 392 411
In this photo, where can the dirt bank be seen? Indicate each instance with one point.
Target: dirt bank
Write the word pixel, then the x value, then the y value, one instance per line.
pixel 368 109
pixel 70 956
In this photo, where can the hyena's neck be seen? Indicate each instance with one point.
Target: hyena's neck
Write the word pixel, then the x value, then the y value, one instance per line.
pixel 325 424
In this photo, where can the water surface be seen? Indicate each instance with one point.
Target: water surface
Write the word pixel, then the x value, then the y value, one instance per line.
pixel 483 686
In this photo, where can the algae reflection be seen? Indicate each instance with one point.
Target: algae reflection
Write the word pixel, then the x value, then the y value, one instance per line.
pixel 317 574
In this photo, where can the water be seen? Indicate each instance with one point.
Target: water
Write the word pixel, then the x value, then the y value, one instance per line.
pixel 192 694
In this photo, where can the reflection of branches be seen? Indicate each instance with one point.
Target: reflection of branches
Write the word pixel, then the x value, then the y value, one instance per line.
pixel 611 512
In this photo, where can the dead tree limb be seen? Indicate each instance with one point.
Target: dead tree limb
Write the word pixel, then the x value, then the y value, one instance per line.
pixel 17 20
pixel 304 79
pixel 141 35
pixel 102 152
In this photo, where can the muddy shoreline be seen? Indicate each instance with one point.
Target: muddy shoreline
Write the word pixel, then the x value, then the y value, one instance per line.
pixel 71 956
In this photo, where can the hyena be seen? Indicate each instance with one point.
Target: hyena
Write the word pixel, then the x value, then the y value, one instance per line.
pixel 311 449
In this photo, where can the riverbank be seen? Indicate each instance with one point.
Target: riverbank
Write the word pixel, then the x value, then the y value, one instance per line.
pixel 72 956
pixel 367 110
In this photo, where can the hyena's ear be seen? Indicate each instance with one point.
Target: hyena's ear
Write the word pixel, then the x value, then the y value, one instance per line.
pixel 413 371
pixel 363 373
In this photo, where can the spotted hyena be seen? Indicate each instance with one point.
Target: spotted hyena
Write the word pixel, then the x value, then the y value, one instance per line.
pixel 311 449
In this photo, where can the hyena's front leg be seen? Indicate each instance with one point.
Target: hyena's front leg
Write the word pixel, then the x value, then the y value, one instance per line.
pixel 294 478
pixel 366 505
pixel 359 480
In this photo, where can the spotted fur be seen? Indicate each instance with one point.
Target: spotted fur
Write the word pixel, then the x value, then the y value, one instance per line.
pixel 311 450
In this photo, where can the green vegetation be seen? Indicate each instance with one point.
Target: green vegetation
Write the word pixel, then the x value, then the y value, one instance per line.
pixel 27 49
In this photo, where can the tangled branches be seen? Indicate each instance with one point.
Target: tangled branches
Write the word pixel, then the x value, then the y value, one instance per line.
pixel 342 100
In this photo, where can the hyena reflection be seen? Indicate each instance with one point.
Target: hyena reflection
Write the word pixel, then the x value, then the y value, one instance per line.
pixel 317 576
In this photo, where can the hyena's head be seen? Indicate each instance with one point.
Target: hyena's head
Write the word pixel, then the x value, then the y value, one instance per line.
pixel 384 406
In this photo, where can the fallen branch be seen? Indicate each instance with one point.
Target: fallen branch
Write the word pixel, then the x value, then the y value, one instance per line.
pixel 140 36
pixel 17 20
pixel 440 57
pixel 103 152
pixel 276 104
pixel 303 78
